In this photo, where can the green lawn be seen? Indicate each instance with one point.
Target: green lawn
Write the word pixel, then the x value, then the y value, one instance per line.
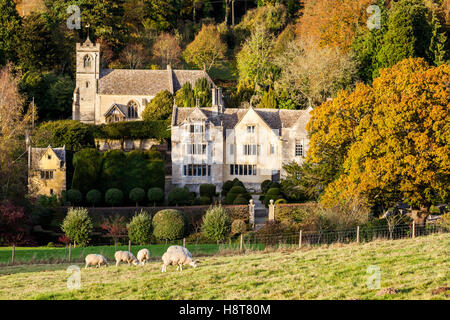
pixel 46 254
pixel 414 267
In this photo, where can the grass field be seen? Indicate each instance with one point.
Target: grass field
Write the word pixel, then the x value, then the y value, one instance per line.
pixel 45 254
pixel 414 267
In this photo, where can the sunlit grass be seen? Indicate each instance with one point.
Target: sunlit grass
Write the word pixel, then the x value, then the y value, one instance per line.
pixel 414 267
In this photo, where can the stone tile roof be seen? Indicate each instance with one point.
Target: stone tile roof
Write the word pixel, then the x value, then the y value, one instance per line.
pixel 275 118
pixel 146 82
pixel 37 153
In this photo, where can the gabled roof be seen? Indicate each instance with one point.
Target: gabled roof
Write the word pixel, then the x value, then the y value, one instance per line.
pixel 38 153
pixel 116 107
pixel 275 118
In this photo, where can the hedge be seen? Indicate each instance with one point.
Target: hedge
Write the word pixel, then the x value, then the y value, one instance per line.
pixel 152 129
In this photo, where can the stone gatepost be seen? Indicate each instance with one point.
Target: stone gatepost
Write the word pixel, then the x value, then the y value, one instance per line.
pixel 271 211
pixel 251 210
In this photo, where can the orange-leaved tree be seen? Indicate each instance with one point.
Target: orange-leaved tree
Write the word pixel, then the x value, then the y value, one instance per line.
pixel 392 139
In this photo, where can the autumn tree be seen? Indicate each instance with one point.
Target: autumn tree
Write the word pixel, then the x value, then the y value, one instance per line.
pixel 391 138
pixel 333 23
pixel 13 224
pixel 166 50
pixel 207 49
pixel 115 226
pixel 13 125
pixel 160 107
pixel 314 72
pixel 134 56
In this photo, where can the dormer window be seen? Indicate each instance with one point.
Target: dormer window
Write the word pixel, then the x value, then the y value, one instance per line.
pixel 196 128
pixel 49 157
pixel 87 61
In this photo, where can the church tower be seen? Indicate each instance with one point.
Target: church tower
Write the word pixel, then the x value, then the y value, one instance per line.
pixel 87 75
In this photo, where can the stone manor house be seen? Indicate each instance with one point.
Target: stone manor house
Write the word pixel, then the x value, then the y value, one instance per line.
pixel 208 145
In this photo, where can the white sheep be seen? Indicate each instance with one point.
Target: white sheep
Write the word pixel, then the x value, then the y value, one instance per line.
pixel 125 256
pixel 143 256
pixel 179 256
pixel 95 260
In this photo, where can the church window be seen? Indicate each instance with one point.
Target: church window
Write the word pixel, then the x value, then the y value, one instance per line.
pixel 132 110
pixel 87 61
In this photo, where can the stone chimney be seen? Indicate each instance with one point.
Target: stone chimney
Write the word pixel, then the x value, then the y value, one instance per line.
pixel 170 75
pixel 217 102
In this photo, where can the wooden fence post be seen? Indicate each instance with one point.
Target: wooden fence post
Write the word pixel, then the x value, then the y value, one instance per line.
pixel 70 250
pixel 300 239
pixel 414 229
pixel 241 244
pixel 184 242
pixel 129 245
pixel 357 234
pixel 13 253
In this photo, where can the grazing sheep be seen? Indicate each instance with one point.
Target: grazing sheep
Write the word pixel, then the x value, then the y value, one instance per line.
pixel 125 256
pixel 177 255
pixel 143 256
pixel 95 260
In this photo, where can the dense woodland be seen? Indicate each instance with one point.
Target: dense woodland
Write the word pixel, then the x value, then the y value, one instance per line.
pixel 377 80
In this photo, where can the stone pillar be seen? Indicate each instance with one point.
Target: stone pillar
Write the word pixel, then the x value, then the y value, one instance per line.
pixel 251 210
pixel 271 211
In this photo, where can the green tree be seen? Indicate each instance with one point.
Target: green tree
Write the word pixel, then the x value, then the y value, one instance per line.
pixel 74 196
pixel 140 228
pixel 202 92
pixel 137 195
pixel 161 15
pixel 408 34
pixel 113 197
pixel 9 31
pixel 88 165
pixel 185 96
pixel 268 100
pixel 207 49
pixel 160 107
pixel 155 195
pixel 77 226
pixel 114 169
pixel 216 223
pixel 94 197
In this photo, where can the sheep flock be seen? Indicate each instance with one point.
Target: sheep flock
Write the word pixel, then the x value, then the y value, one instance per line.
pixel 175 255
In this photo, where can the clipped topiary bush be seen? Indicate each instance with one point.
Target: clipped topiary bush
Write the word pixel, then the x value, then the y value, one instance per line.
pixel 179 196
pixel 74 196
pixel 207 190
pixel 140 228
pixel 227 187
pixel 238 190
pixel 137 195
pixel 155 196
pixel 272 194
pixel 114 197
pixel 205 200
pixel 265 186
pixel 77 226
pixel 229 199
pixel 94 197
pixel 238 183
pixel 216 223
pixel 169 224
pixel 274 185
pixel 238 227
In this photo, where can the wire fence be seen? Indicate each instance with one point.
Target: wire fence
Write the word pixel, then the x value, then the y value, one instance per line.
pixel 252 241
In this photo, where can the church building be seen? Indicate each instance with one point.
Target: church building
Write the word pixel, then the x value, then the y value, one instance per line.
pixel 113 95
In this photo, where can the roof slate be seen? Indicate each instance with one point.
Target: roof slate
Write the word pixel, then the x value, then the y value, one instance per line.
pixel 37 153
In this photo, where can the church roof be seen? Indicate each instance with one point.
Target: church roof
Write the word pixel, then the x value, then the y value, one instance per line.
pixel 146 82
pixel 275 118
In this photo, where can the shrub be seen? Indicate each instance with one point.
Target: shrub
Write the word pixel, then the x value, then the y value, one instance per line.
pixel 445 220
pixel 137 195
pixel 227 187
pixel 306 216
pixel 140 228
pixel 94 197
pixel 77 226
pixel 238 183
pixel 51 245
pixel 272 194
pixel 265 186
pixel 160 107
pixel 274 185
pixel 205 200
pixel 155 195
pixel 207 190
pixel 114 197
pixel 281 201
pixel 238 212
pixel 229 199
pixel 115 227
pixel 169 224
pixel 240 200
pixel 196 202
pixel 216 223
pixel 74 196
pixel 238 190
pixel 273 232
pixel 179 196
pixel 238 226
